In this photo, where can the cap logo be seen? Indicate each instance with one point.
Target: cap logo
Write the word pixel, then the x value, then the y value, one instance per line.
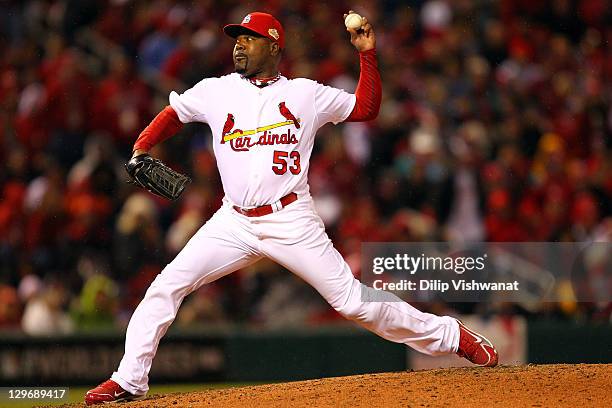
pixel 247 19
pixel 273 33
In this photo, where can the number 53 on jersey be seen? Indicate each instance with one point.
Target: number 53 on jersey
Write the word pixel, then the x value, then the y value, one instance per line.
pixel 284 161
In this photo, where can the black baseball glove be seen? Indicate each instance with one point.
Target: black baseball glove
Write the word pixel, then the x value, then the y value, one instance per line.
pixel 153 175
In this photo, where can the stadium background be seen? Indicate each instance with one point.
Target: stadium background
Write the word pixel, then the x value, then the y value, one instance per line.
pixel 495 125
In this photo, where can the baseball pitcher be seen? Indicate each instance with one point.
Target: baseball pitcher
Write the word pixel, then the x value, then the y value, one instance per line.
pixel 264 126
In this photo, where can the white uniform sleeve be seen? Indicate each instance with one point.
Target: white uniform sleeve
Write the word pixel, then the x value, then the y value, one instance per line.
pixel 332 104
pixel 191 105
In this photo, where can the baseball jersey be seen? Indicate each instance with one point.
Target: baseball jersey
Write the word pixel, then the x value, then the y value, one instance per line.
pixel 263 137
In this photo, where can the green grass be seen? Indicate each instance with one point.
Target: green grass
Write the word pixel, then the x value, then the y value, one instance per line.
pixel 76 394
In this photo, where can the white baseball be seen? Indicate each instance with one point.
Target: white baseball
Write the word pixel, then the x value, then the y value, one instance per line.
pixel 353 21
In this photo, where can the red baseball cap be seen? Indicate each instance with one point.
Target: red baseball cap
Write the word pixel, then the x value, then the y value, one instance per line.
pixel 263 24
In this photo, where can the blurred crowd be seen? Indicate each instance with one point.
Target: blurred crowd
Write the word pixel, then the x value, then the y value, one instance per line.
pixel 495 125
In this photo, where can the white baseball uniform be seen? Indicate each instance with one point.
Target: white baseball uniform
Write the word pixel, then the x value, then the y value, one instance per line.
pixel 263 138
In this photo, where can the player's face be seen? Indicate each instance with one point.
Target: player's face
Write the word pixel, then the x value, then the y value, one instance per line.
pixel 252 55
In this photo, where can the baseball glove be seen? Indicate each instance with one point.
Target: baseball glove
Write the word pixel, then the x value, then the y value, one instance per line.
pixel 153 175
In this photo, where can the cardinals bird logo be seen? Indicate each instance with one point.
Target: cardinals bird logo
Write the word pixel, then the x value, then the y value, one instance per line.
pixel 288 115
pixel 228 126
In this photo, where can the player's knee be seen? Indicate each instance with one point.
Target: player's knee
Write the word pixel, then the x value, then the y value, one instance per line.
pixel 350 311
pixel 169 284
pixel 351 305
pixel 355 310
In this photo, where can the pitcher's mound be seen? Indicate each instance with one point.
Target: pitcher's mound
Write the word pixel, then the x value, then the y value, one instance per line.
pixel 560 385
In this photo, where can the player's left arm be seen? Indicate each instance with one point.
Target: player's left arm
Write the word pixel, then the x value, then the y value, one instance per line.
pixel 368 94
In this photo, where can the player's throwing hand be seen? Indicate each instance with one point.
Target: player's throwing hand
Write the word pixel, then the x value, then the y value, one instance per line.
pixel 362 38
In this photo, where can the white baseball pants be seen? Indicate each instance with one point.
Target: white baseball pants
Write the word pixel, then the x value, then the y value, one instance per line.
pixel 295 238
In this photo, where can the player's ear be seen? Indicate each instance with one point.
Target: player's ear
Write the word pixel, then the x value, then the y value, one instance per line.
pixel 274 49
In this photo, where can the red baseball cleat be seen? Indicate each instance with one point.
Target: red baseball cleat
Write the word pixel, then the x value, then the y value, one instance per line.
pixel 476 348
pixel 109 391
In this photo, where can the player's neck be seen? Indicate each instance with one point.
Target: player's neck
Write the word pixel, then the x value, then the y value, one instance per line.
pixel 264 74
pixel 265 77
pixel 261 81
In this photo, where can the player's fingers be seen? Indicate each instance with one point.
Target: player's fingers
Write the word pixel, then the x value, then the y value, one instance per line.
pixel 367 28
pixel 365 24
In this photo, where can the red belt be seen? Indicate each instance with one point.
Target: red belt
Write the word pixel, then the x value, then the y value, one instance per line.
pixel 268 208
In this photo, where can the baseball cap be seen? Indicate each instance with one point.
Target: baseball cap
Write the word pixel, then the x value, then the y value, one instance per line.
pixel 263 24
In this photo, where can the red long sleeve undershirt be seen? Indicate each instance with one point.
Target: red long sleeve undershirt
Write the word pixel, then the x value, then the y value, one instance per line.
pixel 165 125
pixel 368 96
pixel 369 89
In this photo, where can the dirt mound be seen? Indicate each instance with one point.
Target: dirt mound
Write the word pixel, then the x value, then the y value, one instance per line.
pixel 557 385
